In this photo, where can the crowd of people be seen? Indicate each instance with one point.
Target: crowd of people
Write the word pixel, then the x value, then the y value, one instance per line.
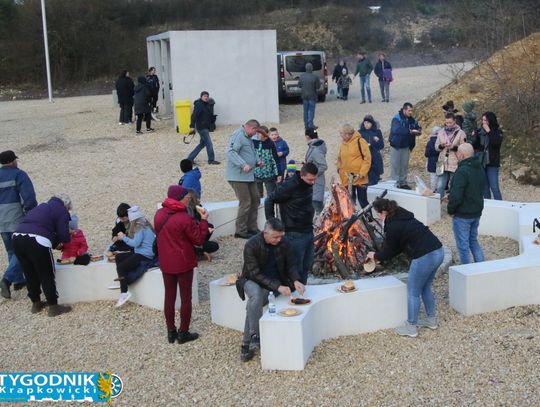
pixel 463 160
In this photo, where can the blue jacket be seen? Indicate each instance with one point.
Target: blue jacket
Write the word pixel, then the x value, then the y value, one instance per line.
pixel 400 131
pixel 50 220
pixel 17 197
pixel 432 154
pixel 192 180
pixel 375 147
pixel 282 147
pixel 142 242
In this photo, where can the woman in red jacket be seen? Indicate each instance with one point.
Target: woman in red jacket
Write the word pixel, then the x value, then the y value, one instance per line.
pixel 177 233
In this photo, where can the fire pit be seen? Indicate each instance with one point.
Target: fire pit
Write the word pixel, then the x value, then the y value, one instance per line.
pixel 344 236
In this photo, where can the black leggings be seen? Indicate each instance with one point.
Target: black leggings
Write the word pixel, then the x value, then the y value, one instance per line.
pixel 147 118
pixel 126 263
pixel 37 263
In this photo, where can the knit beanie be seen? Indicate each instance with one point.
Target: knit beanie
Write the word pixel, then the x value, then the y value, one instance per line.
pixel 291 166
pixel 122 210
pixel 74 222
pixel 134 213
pixel 435 130
pixel 468 106
pixel 177 192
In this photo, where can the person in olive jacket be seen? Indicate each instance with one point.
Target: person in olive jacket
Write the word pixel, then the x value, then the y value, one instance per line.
pixel 295 198
pixel 466 203
pixel 269 265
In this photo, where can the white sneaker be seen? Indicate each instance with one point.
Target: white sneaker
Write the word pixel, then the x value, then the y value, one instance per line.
pixel 407 330
pixel 428 322
pixel 114 286
pixel 124 297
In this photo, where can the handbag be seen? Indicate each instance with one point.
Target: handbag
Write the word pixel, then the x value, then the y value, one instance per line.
pixel 439 169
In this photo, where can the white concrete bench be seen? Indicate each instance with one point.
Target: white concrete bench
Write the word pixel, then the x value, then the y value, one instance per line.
pixel 287 342
pixel 496 285
pixel 89 283
pixel 427 209
pixel 223 214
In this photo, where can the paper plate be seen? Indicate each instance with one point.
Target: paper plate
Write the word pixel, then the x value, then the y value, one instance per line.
pixel 294 303
pixel 225 281
pixel 289 312
pixel 369 266
pixel 346 292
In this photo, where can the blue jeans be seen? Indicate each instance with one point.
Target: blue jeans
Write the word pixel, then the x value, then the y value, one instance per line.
pixel 444 180
pixel 309 113
pixel 14 273
pixel 365 86
pixel 304 252
pixel 492 183
pixel 421 274
pixel 205 141
pixel 466 235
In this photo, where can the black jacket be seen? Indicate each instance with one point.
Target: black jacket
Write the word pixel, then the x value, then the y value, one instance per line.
pixel 403 233
pixel 143 96
pixel 124 90
pixel 493 139
pixel 202 115
pixel 153 83
pixel 379 69
pixel 338 71
pixel 256 256
pixel 294 197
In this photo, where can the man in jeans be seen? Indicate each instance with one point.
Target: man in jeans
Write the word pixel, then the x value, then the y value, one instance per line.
pixel 466 202
pixel 241 161
pixel 268 266
pixel 363 70
pixel 295 197
pixel 201 119
pixel 17 197
pixel 310 84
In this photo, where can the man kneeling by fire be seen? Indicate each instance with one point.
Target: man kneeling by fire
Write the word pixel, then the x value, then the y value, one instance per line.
pixel 269 265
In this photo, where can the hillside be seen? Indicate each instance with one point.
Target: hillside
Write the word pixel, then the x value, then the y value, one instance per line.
pixel 507 83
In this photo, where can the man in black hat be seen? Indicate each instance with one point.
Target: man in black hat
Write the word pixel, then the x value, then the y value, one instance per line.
pixel 17 197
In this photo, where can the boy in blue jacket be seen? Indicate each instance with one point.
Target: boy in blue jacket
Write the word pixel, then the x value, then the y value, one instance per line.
pixel 191 178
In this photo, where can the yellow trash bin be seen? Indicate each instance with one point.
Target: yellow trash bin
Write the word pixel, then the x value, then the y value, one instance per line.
pixel 183 115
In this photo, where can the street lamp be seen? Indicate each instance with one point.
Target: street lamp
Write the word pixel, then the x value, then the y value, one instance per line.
pixel 46 42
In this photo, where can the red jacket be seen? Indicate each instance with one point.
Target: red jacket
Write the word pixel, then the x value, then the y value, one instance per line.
pixel 179 236
pixel 76 247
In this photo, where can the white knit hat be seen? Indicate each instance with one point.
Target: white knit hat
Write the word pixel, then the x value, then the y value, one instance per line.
pixel 134 213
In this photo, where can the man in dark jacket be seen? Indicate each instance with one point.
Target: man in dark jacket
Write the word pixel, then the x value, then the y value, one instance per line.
pixel 295 198
pixel 153 84
pixel 338 71
pixel 17 197
pixel 269 265
pixel 403 132
pixel 466 202
pixel 201 119
pixel 124 92
pixel 310 84
pixel 143 99
pixel 383 71
pixel 363 70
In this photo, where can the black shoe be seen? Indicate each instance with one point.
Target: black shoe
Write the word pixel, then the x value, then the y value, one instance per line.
pixel 55 310
pixel 37 306
pixel 4 289
pixel 214 162
pixel 242 235
pixel 19 286
pixel 150 130
pixel 362 102
pixel 404 187
pixel 246 354
pixel 253 232
pixel 255 343
pixel 187 336
pixel 139 132
pixel 172 336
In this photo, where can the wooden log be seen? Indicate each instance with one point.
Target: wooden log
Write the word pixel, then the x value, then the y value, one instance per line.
pixel 341 268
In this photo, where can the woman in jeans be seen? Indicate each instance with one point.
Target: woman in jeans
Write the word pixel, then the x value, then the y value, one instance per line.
pixel 487 144
pixel 403 233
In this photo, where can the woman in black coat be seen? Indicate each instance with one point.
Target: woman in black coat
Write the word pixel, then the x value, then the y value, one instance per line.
pixel 143 106
pixel 124 92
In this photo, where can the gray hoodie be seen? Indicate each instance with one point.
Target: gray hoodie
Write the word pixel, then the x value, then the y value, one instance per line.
pixel 316 154
pixel 240 151
pixel 309 83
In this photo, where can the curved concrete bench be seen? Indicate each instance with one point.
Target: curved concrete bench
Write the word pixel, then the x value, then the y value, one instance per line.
pixel 287 342
pixel 89 283
pixel 496 285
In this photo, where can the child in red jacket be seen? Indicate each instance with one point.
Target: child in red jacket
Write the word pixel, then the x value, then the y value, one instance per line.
pixel 76 250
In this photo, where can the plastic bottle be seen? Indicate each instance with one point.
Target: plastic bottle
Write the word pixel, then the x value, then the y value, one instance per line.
pixel 271 304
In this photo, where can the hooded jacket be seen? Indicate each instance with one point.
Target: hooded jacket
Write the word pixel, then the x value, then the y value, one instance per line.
pixel 17 197
pixel 192 180
pixel 76 247
pixel 142 97
pixel 400 131
pixel 124 90
pixel 309 83
pixel 177 234
pixel 352 160
pixel 282 147
pixel 316 154
pixel 466 198
pixel 295 198
pixel 202 115
pixel 375 148
pixel 404 233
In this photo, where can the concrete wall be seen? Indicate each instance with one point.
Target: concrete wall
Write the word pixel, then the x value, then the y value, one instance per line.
pixel 238 68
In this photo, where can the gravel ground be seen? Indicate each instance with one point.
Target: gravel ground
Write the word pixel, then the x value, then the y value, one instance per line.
pixel 75 145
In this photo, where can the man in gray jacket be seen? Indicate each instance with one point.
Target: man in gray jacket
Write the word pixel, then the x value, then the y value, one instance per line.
pixel 316 154
pixel 17 197
pixel 310 84
pixel 241 162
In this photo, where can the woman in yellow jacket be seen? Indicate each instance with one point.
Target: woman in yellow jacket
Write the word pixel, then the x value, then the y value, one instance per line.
pixel 353 163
